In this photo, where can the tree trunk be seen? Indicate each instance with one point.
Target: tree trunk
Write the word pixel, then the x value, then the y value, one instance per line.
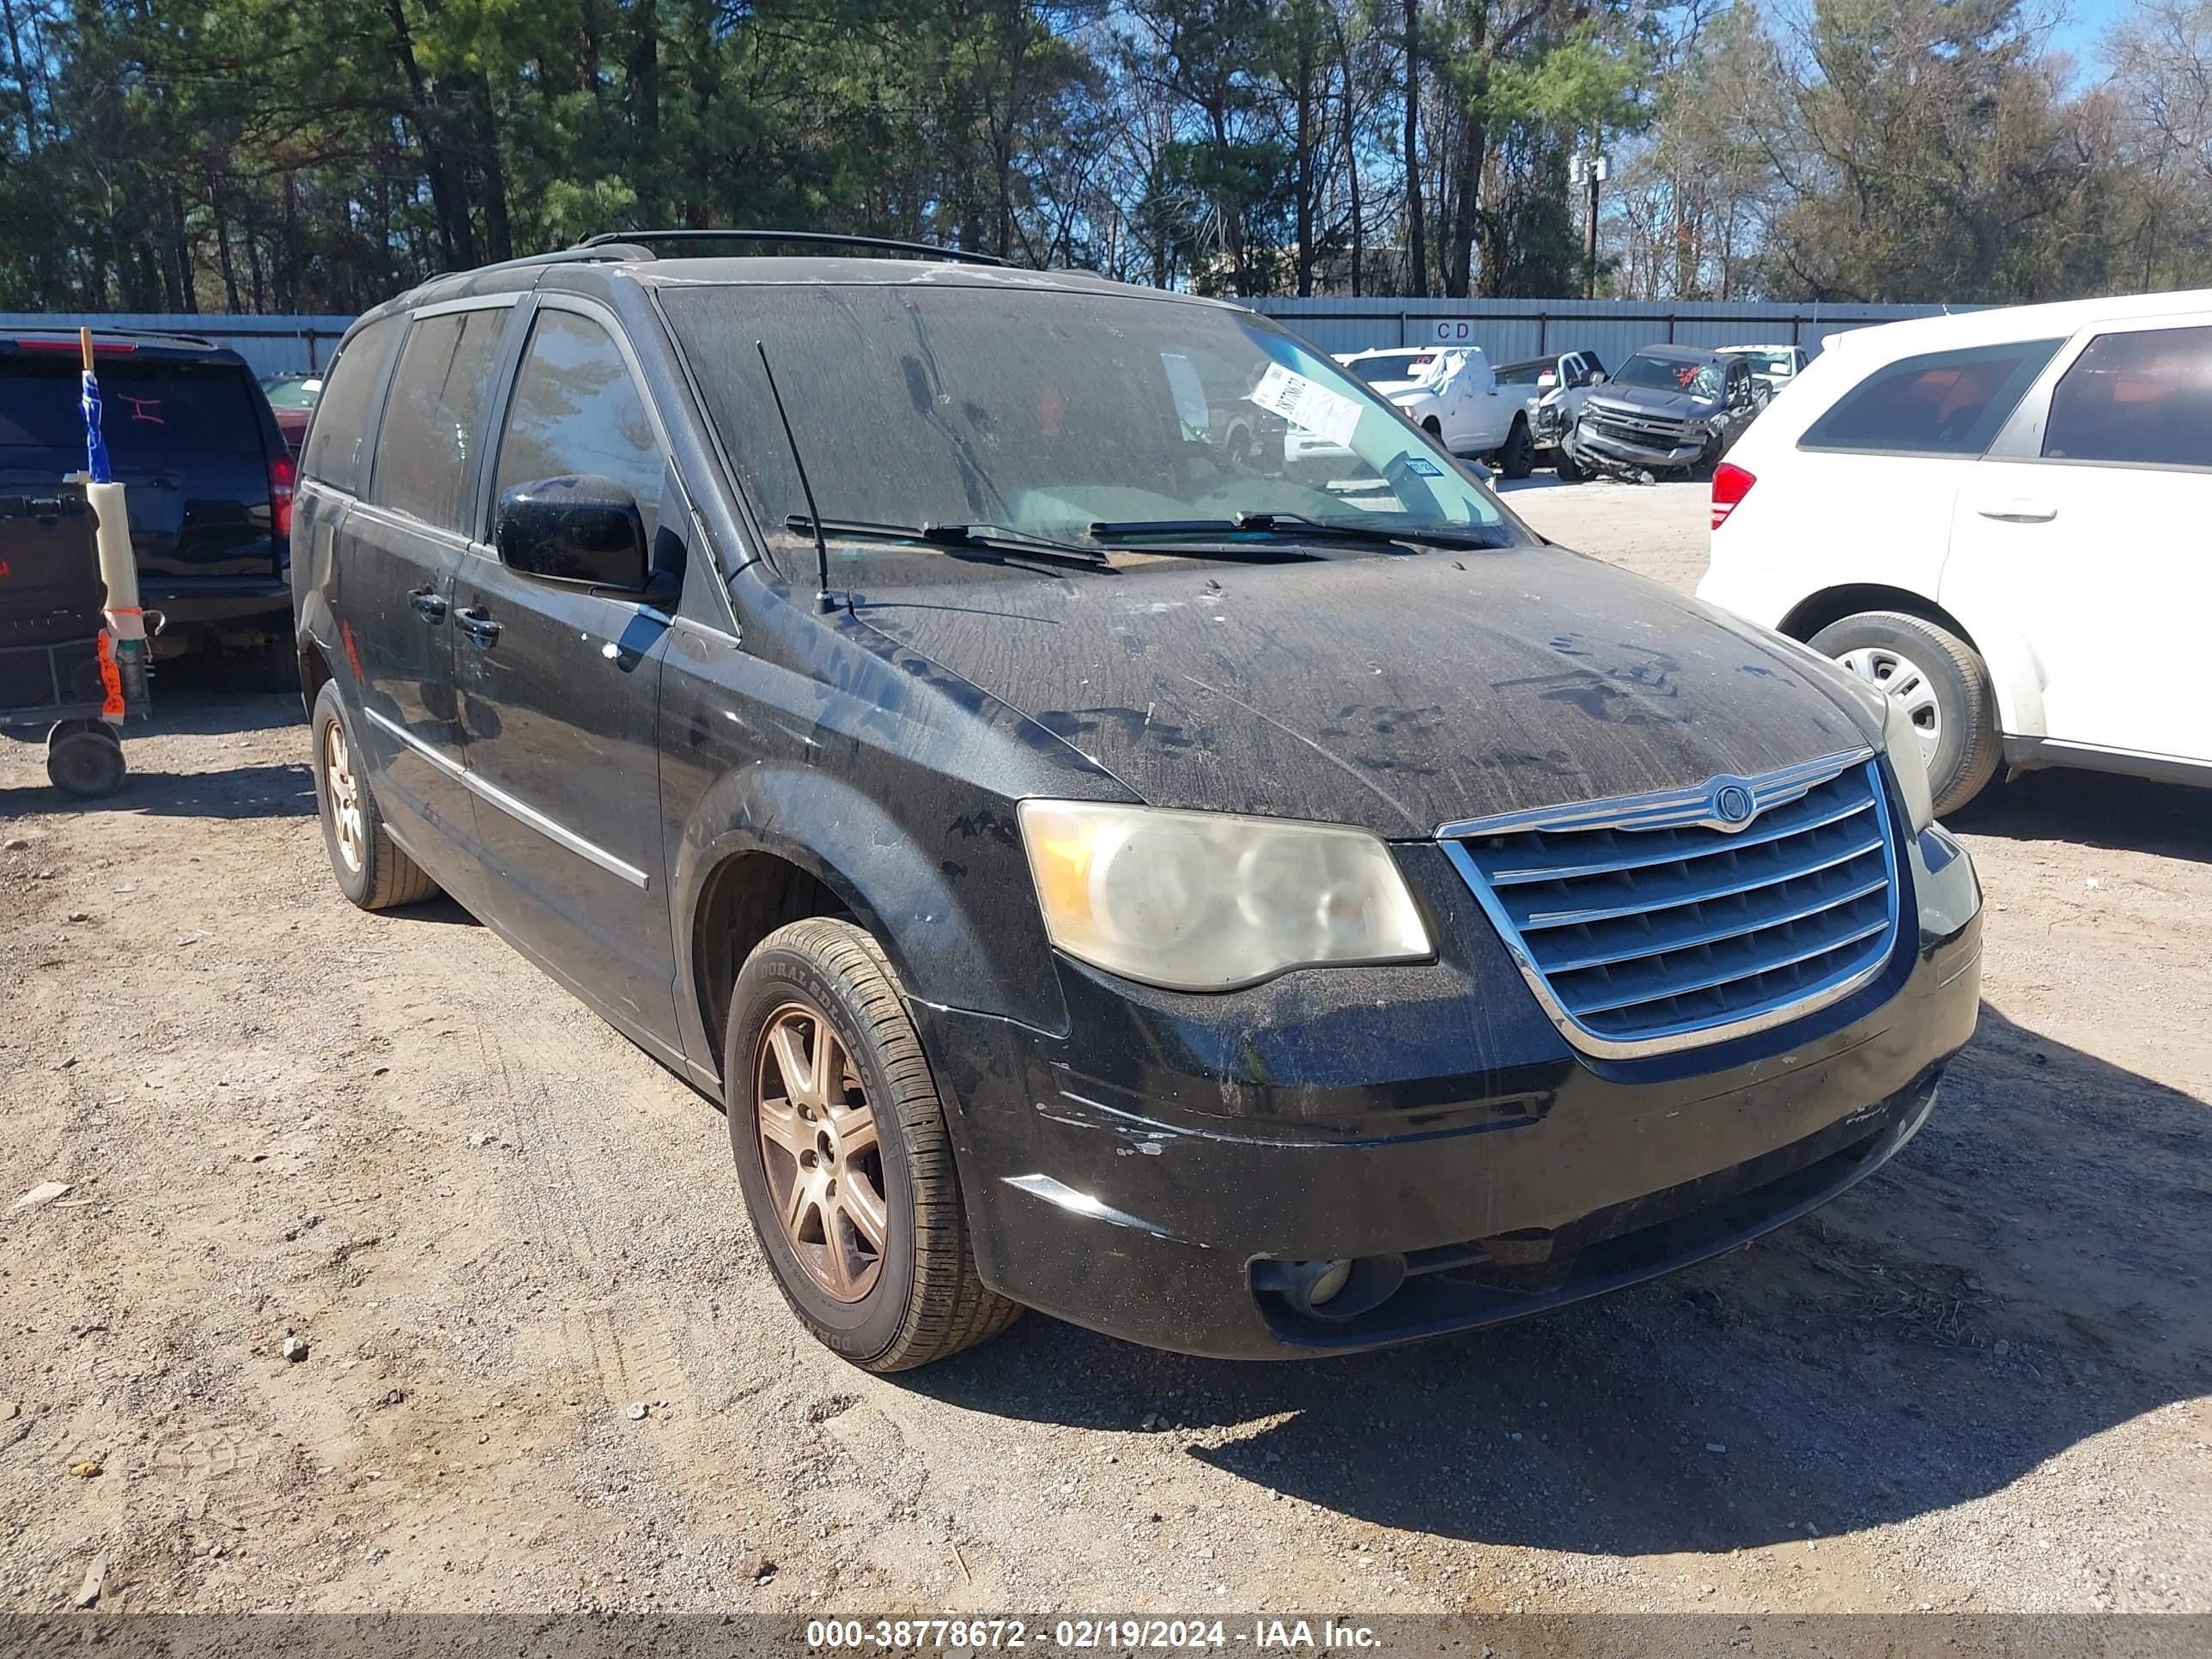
pixel 1416 250
pixel 185 282
pixel 448 200
pixel 23 81
pixel 644 72
pixel 1351 145
pixel 224 260
pixel 1306 172
pixel 499 244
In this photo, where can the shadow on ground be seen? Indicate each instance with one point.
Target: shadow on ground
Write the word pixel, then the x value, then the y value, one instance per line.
pixel 2123 814
pixel 2020 1279
pixel 244 791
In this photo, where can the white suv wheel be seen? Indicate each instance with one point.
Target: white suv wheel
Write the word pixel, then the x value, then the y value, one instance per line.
pixel 1900 677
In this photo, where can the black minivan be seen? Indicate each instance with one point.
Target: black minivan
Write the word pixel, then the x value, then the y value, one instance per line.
pixel 1099 869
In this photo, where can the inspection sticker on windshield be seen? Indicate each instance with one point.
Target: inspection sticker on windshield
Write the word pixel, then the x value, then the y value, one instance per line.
pixel 1424 465
pixel 1307 403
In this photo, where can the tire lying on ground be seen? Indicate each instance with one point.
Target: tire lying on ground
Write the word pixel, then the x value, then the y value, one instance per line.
pixel 1943 682
pixel 843 1155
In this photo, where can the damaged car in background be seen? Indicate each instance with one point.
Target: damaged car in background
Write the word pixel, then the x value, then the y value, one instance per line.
pixel 1667 410
pixel 1552 391
pixel 1450 392
pixel 1097 868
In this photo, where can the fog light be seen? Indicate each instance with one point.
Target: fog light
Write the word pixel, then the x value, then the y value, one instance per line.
pixel 1329 1289
pixel 1328 1282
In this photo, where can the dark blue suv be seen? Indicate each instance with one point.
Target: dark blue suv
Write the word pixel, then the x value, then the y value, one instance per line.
pixel 208 476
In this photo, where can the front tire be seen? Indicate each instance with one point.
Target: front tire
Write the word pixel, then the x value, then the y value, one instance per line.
pixel 372 870
pixel 1566 469
pixel 1944 686
pixel 1517 459
pixel 844 1156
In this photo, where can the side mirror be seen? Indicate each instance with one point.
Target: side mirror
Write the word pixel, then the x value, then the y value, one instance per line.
pixel 1597 376
pixel 584 529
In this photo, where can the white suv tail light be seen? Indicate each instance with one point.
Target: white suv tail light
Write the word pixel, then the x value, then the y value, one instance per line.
pixel 1731 484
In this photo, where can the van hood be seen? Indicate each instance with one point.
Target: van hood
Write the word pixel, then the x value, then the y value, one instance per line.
pixel 1395 693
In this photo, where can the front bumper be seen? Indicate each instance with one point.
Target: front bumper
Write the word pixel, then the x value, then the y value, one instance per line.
pixel 1142 1175
pixel 1585 443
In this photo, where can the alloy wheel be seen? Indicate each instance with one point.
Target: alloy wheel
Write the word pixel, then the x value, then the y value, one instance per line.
pixel 821 1153
pixel 343 790
pixel 1899 677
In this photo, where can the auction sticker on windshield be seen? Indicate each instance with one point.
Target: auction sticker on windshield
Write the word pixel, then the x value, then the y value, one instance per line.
pixel 1307 404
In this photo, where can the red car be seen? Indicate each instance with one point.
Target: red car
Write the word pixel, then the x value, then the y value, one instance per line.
pixel 292 397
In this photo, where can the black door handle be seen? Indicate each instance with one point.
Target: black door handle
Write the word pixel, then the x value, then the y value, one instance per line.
pixel 428 604
pixel 476 621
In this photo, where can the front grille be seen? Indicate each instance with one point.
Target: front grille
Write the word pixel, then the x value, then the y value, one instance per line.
pixel 1629 425
pixel 1657 923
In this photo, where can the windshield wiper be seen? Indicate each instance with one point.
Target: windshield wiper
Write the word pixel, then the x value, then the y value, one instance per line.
pixel 1294 526
pixel 972 540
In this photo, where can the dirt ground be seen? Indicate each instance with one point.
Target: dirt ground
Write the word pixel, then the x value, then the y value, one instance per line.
pixel 1979 1381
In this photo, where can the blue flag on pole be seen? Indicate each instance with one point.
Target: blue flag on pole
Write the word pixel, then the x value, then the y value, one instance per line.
pixel 96 447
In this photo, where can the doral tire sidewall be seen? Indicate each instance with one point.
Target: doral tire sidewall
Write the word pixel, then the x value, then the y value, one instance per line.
pixel 860 1331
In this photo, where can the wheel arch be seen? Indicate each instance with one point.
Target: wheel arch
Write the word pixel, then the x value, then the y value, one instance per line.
pixel 2014 672
pixel 742 899
pixel 772 844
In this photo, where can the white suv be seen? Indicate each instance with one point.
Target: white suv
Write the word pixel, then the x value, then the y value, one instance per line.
pixel 2004 518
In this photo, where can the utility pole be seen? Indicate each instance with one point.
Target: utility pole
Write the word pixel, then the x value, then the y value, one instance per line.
pixel 1589 171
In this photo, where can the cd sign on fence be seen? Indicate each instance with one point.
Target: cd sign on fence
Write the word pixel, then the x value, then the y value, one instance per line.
pixel 1450 331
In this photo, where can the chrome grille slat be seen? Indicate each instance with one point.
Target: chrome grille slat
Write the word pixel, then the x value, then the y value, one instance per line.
pixel 1710 933
pixel 1664 921
pixel 1632 904
pixel 1718 976
pixel 1675 844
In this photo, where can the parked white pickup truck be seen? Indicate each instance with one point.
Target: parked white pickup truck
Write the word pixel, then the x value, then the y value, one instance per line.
pixel 1450 391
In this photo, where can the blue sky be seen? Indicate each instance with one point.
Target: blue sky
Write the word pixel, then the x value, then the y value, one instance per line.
pixel 2083 25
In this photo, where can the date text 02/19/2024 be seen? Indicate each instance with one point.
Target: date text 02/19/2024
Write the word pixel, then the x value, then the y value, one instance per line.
pixel 1085 1635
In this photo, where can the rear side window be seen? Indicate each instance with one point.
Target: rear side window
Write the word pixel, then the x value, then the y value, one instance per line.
pixel 1946 402
pixel 576 411
pixel 338 437
pixel 149 408
pixel 2142 398
pixel 432 415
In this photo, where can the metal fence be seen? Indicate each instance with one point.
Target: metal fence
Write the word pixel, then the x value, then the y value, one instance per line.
pixel 1511 329
pixel 272 345
pixel 1507 330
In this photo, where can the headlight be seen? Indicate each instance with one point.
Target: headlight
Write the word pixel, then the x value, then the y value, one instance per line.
pixel 1902 738
pixel 1205 901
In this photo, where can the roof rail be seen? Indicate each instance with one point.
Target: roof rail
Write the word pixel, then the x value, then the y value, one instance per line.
pixel 821 238
pixel 70 330
pixel 600 250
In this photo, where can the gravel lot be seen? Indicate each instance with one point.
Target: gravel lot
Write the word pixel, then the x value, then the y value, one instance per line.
pixel 1978 1382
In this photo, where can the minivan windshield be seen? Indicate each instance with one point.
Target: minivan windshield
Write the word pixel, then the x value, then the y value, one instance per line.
pixel 1108 420
pixel 1671 374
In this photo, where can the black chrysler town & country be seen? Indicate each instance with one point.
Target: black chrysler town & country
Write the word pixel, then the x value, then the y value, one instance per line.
pixel 1099 869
